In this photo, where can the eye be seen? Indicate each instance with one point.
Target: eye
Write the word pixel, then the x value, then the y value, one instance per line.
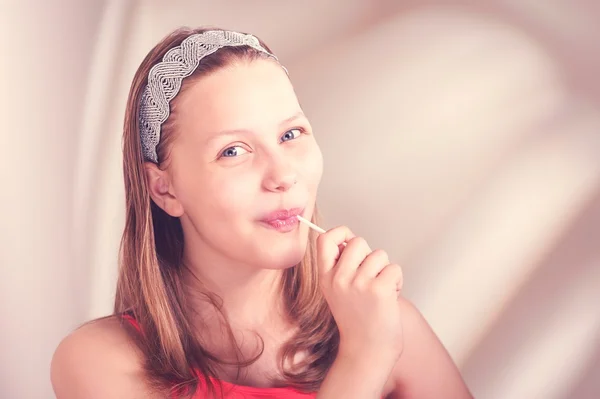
pixel 233 151
pixel 291 134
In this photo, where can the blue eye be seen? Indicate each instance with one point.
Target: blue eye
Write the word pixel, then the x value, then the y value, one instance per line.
pixel 233 151
pixel 291 134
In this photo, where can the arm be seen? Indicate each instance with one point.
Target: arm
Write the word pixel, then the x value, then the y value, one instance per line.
pixel 361 288
pixel 98 361
pixel 356 376
pixel 425 370
pixel 386 346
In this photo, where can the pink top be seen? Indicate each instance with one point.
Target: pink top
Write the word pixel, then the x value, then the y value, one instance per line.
pixel 233 391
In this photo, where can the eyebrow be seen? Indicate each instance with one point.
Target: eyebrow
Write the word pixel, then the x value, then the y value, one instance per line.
pixel 292 118
pixel 284 122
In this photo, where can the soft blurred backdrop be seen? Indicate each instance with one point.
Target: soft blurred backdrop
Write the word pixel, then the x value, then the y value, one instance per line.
pixel 461 136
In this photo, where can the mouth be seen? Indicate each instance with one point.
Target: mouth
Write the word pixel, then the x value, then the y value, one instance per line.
pixel 283 220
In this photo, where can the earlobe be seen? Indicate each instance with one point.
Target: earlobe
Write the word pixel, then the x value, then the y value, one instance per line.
pixel 160 189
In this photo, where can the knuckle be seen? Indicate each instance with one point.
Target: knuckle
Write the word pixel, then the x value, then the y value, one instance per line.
pixel 321 240
pixel 354 240
pixel 333 235
pixel 340 230
pixel 360 283
pixel 400 275
pixel 377 290
pixel 396 275
pixel 380 254
pixel 397 268
pixel 342 227
pixel 357 242
pixel 338 284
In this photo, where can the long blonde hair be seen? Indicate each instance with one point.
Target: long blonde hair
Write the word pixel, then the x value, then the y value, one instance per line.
pixel 150 286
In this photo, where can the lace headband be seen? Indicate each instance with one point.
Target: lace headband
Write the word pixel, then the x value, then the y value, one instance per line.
pixel 164 79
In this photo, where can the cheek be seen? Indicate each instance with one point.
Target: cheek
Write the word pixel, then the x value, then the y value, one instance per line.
pixel 311 164
pixel 208 196
pixel 227 195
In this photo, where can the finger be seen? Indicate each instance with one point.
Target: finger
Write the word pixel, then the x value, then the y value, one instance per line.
pixel 390 278
pixel 352 256
pixel 329 247
pixel 373 264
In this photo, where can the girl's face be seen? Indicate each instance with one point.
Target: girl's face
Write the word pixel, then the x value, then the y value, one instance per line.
pixel 243 162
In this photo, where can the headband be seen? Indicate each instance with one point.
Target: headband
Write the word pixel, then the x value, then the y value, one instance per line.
pixel 164 79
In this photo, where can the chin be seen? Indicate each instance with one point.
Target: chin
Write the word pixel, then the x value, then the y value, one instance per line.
pixel 280 260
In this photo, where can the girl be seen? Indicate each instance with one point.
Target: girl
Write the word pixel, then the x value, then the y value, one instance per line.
pixel 222 292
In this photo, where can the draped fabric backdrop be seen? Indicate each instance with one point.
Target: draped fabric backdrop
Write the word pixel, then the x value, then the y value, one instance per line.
pixel 461 136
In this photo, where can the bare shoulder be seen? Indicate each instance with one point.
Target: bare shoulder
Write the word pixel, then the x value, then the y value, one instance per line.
pixel 425 369
pixel 98 360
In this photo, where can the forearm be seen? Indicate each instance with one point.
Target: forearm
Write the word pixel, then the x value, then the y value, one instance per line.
pixel 355 377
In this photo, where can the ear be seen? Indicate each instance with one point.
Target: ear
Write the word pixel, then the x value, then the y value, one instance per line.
pixel 161 190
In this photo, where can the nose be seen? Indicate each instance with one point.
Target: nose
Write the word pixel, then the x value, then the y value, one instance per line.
pixel 280 175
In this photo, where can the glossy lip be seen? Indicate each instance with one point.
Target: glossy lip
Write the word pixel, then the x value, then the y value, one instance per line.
pixel 283 220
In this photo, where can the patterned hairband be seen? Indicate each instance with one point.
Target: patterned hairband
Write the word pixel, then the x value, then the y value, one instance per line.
pixel 164 79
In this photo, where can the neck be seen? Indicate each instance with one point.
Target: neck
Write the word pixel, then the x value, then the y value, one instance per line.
pixel 250 296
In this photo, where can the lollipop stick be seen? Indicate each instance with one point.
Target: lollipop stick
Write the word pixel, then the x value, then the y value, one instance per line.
pixel 313 226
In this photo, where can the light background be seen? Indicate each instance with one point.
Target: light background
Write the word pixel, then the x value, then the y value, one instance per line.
pixel 461 136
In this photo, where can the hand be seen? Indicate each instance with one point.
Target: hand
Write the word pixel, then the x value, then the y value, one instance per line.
pixel 362 289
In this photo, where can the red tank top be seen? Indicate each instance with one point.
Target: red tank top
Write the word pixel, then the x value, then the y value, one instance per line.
pixel 233 391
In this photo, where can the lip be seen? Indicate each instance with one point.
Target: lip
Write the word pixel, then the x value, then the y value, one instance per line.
pixel 283 220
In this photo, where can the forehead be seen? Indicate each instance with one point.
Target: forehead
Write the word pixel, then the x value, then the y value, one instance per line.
pixel 244 94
